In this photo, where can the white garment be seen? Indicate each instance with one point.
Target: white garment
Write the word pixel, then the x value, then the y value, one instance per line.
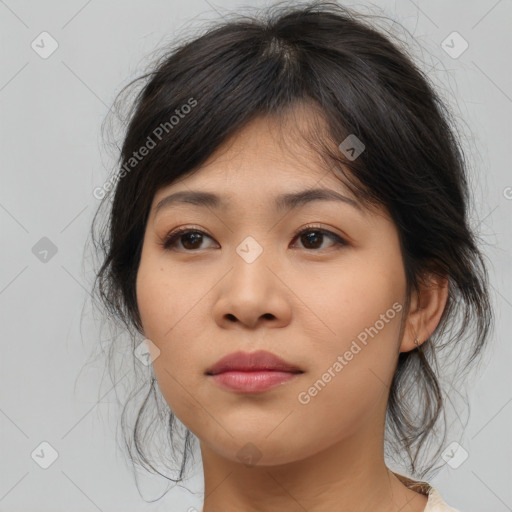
pixel 435 502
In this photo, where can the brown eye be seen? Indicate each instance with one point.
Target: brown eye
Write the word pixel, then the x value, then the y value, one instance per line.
pixel 190 239
pixel 313 237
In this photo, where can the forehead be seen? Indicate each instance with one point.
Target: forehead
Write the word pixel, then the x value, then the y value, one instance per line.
pixel 266 157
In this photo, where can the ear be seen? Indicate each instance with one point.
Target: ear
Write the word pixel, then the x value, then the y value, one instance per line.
pixel 425 311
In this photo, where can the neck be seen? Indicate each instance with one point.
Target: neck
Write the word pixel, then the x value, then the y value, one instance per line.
pixel 348 476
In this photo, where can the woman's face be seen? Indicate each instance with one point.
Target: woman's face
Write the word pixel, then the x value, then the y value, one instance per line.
pixel 330 304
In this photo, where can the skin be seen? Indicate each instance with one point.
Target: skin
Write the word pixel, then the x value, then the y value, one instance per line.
pixel 305 301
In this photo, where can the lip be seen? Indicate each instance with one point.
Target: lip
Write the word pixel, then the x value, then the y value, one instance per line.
pixel 252 372
pixel 252 382
pixel 260 360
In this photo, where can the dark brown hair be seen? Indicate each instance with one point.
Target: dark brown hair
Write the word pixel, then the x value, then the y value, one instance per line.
pixel 360 83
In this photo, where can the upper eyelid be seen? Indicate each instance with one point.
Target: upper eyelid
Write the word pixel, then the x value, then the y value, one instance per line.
pixel 185 229
pixel 337 238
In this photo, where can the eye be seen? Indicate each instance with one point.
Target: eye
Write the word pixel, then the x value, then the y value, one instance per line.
pixel 312 236
pixel 190 239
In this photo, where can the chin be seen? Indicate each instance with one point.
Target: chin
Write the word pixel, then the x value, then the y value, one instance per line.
pixel 261 450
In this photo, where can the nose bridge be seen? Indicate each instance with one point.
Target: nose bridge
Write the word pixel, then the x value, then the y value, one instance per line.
pixel 251 291
pixel 250 276
pixel 250 250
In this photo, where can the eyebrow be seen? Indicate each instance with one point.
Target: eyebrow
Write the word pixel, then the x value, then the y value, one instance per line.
pixel 282 202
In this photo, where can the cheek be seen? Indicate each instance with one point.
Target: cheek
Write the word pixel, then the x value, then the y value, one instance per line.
pixel 345 302
pixel 165 298
pixel 348 384
pixel 169 306
pixel 357 348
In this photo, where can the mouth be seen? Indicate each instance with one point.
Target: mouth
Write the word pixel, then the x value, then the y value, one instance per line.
pixel 252 372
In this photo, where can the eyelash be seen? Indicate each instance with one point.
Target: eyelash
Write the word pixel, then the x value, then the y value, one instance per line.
pixel 172 237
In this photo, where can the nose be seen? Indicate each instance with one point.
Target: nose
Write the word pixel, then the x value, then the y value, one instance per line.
pixel 251 295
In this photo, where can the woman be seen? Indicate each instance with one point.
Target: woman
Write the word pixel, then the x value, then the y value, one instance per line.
pixel 289 233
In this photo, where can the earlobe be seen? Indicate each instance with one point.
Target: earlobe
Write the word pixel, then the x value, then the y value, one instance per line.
pixel 425 311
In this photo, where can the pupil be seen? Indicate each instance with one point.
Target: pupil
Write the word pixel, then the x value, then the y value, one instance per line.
pixel 312 236
pixel 192 236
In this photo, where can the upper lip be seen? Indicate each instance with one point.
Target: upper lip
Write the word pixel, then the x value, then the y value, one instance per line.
pixel 254 361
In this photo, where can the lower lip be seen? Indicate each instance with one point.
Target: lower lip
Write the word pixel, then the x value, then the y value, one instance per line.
pixel 252 382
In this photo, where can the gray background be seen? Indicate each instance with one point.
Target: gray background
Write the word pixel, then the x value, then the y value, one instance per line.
pixel 52 157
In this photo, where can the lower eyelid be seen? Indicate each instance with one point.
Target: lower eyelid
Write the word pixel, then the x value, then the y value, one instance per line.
pixel 337 239
pixel 171 239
